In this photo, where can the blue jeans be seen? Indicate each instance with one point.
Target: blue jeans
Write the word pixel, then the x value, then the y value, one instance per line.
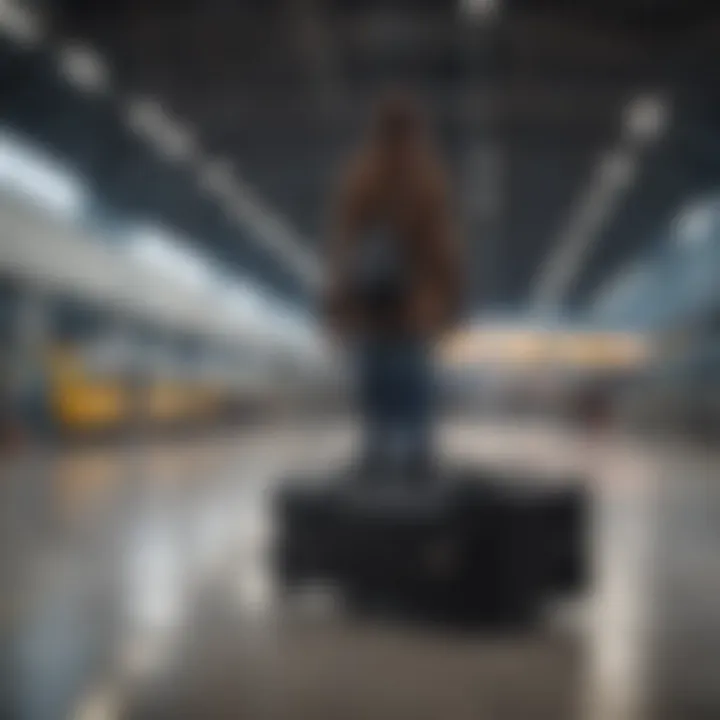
pixel 396 400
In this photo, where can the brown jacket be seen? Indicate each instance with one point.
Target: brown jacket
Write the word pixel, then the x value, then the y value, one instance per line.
pixel 411 200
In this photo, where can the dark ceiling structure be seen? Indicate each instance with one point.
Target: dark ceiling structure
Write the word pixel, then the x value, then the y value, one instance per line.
pixel 527 97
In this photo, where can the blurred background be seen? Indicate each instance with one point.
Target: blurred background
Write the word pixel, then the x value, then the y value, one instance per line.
pixel 165 173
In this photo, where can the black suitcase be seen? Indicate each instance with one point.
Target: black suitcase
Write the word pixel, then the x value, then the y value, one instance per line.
pixel 470 546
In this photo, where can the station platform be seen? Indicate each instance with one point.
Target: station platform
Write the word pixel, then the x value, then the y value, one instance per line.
pixel 138 587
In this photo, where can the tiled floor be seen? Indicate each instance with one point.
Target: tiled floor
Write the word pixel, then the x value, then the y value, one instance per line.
pixel 136 587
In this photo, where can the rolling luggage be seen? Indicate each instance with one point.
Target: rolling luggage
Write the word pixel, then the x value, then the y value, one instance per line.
pixel 469 546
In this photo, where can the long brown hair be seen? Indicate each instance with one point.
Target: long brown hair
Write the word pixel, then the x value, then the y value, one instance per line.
pixel 400 142
pixel 398 167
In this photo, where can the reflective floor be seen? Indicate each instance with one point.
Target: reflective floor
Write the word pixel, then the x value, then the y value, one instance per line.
pixel 135 586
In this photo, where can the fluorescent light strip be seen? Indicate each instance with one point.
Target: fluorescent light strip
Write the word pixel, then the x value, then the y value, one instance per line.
pixel 83 68
pixel 277 237
pixel 149 119
pixel 27 170
pixel 644 120
pixel 612 176
pixel 271 231
pixel 19 23
pixel 163 252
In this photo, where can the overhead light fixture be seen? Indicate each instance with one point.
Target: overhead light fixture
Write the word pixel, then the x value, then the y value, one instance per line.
pixel 20 23
pixel 149 119
pixel 617 170
pixel 84 68
pixel 612 176
pixel 243 299
pixel 28 171
pixel 275 235
pixel 218 178
pixel 169 256
pixel 479 10
pixel 646 118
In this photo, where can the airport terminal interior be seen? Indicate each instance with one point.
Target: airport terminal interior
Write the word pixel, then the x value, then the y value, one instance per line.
pixel 167 177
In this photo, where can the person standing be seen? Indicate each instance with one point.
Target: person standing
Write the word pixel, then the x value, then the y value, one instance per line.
pixel 394 282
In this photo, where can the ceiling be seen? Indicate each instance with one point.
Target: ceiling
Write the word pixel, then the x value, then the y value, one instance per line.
pixel 525 101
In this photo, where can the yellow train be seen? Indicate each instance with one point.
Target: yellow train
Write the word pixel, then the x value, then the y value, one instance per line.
pixel 84 400
pixel 80 400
